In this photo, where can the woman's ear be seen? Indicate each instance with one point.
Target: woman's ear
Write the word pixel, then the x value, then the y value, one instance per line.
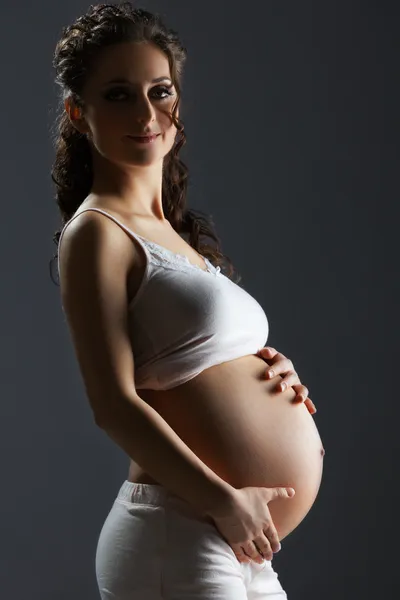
pixel 75 116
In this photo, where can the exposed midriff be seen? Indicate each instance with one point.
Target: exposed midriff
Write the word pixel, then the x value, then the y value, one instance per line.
pixel 248 433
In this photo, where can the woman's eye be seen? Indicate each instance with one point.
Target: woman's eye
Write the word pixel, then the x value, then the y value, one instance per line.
pixel 164 90
pixel 118 91
pixel 112 93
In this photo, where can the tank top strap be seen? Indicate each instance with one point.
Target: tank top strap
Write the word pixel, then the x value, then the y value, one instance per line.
pixel 156 255
pixel 124 227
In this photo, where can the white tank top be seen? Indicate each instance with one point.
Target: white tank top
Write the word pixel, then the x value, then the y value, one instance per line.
pixel 185 319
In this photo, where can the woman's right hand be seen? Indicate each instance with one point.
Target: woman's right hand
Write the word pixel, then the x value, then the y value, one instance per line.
pixel 244 521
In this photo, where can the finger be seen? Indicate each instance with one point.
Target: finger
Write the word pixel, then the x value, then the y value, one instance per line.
pixel 240 555
pixel 282 366
pixel 279 492
pixel 267 352
pixel 302 393
pixel 251 550
pixel 311 406
pixel 289 379
pixel 271 538
pixel 268 545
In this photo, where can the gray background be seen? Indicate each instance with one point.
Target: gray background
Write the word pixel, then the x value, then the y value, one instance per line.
pixel 291 111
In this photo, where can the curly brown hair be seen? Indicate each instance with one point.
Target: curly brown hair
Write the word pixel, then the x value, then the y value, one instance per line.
pixel 104 25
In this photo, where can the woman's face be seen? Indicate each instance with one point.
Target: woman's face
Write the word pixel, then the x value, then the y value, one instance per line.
pixel 134 106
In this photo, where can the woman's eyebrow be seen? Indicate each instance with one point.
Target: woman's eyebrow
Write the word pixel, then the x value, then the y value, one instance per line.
pixel 124 80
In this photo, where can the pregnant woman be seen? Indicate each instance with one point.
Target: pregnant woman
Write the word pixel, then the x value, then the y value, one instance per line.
pixel 171 349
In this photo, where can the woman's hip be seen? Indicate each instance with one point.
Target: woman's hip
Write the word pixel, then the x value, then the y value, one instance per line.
pixel 154 546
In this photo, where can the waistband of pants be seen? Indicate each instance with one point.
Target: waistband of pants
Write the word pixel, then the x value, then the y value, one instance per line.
pixel 146 493
pixel 158 495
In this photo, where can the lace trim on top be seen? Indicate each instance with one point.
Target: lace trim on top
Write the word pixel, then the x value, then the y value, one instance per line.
pixel 160 256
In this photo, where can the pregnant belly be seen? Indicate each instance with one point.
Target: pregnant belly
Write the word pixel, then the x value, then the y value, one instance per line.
pixel 247 433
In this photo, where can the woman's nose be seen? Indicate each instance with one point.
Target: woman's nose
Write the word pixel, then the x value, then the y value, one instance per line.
pixel 144 111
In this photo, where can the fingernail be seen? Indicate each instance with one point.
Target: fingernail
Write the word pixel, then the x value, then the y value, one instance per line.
pixel 271 373
pixel 283 387
pixel 279 548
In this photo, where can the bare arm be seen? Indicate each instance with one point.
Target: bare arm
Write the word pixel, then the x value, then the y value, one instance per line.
pixel 148 439
pixel 94 265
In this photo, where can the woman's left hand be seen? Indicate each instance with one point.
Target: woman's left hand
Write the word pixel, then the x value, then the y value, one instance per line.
pixel 284 366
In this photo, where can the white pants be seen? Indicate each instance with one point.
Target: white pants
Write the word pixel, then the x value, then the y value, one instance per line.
pixel 154 546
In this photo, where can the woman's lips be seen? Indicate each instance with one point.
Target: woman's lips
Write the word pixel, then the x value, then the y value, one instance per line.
pixel 144 140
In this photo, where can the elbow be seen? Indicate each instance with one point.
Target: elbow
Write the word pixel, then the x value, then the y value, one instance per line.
pixel 114 412
pixel 105 418
pixel 100 420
